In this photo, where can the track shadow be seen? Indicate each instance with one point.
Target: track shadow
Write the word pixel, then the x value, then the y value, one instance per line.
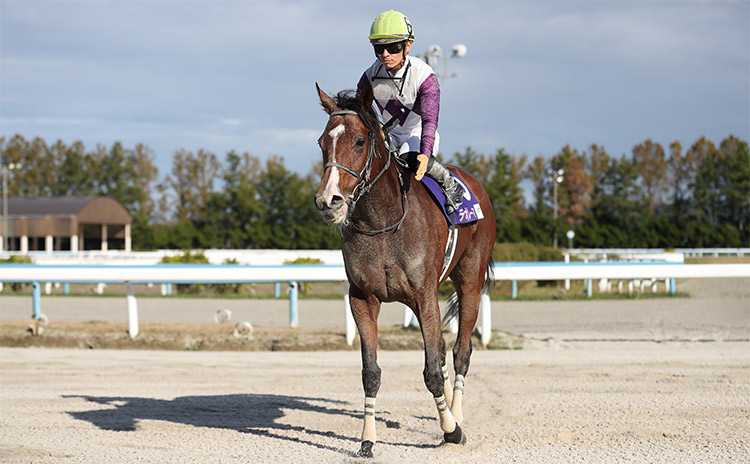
pixel 248 413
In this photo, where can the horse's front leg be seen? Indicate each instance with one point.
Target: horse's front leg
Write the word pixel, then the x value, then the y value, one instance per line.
pixel 434 351
pixel 365 312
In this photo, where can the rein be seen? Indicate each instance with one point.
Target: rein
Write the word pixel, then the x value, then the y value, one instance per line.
pixel 365 184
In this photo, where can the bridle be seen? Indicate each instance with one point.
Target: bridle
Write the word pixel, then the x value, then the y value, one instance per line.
pixel 365 184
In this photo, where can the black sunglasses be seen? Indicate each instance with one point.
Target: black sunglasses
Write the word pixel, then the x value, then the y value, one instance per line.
pixel 392 48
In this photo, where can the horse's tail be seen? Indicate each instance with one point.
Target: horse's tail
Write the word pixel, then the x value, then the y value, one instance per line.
pixel 489 278
pixel 452 311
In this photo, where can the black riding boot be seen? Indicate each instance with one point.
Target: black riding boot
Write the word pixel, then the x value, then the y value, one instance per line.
pixel 453 190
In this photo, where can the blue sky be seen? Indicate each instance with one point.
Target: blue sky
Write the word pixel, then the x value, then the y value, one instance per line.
pixel 222 75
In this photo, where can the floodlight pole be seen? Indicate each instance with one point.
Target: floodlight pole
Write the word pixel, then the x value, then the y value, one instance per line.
pixel 434 54
pixel 554 215
pixel 557 178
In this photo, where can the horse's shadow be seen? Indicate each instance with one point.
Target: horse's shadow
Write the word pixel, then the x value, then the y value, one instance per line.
pixel 255 414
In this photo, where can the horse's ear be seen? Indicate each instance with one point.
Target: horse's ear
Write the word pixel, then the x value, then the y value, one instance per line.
pixel 366 97
pixel 329 106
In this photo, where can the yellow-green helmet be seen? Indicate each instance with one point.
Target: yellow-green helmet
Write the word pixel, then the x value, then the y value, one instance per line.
pixel 391 26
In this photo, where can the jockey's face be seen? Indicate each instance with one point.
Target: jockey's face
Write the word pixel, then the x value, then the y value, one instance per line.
pixel 394 61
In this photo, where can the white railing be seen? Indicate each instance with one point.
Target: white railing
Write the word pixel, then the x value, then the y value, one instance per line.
pixel 636 252
pixel 214 256
pixel 272 257
pixel 216 274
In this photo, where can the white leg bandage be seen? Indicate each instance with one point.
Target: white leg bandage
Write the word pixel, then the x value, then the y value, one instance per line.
pixel 458 395
pixel 447 423
pixel 368 430
pixel 447 386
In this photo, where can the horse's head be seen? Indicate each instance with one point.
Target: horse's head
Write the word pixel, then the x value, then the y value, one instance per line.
pixel 348 147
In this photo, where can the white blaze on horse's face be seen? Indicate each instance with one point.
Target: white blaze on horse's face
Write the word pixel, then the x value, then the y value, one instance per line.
pixel 332 189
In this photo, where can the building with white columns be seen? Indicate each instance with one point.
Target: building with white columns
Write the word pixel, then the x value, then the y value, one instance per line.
pixel 64 224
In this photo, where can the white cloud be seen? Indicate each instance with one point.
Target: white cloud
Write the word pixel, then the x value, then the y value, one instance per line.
pixel 240 75
pixel 294 136
pixel 233 122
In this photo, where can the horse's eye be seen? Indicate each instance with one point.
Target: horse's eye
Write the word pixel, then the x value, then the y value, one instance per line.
pixel 360 142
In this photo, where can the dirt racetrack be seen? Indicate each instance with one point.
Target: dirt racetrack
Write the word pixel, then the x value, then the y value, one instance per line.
pixel 667 384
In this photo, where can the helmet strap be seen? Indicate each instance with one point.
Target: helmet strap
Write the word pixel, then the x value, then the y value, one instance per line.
pixel 403 59
pixel 401 65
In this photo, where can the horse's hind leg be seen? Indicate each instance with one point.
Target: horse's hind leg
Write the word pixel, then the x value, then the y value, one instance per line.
pixel 365 314
pixel 468 288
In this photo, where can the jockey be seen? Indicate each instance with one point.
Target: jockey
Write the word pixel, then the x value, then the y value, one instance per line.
pixel 403 83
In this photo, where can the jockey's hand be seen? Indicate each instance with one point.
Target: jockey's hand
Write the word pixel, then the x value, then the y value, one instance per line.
pixel 422 168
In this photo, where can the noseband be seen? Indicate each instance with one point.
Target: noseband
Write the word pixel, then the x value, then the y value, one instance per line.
pixel 365 184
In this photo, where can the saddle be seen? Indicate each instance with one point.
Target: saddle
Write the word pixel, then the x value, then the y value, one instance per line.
pixel 468 211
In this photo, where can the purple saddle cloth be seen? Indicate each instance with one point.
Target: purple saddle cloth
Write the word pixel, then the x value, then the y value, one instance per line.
pixel 469 211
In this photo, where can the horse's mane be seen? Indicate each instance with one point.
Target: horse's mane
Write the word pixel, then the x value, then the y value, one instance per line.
pixel 348 100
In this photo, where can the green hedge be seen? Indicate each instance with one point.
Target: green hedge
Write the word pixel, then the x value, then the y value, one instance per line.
pixel 525 252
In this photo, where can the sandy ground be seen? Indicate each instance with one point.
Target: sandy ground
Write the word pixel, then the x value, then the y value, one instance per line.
pixel 642 381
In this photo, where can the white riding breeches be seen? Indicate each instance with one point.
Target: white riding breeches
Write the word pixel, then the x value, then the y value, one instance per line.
pixel 409 142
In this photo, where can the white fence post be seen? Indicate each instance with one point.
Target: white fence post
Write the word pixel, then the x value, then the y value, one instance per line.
pixel 293 305
pixel 453 325
pixel 132 310
pixel 350 326
pixel 409 317
pixel 485 308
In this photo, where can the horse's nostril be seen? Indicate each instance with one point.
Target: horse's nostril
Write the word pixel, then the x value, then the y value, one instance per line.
pixel 334 203
pixel 336 200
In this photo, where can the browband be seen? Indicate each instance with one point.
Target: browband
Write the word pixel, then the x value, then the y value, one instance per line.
pixel 342 113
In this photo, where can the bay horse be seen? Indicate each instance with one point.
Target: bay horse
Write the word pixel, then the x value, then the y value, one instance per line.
pixel 393 239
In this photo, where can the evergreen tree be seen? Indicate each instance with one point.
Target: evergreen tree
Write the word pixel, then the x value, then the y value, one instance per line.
pixel 734 174
pixel 504 190
pixel 623 208
pixel 474 163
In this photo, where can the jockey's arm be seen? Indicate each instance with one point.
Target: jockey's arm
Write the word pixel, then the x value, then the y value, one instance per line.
pixel 429 99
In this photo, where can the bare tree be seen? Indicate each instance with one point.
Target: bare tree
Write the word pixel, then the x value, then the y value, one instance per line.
pixel 651 164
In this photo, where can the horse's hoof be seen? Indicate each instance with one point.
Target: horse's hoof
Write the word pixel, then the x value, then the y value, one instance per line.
pixel 457 437
pixel 366 450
